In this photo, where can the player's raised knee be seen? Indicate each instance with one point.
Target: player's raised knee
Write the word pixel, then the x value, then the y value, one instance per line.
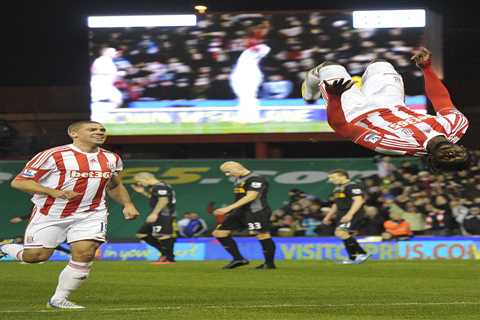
pixel 341 234
pixel 36 255
pixel 83 256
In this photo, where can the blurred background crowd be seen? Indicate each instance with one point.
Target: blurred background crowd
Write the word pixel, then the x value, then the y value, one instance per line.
pixel 402 201
pixel 195 62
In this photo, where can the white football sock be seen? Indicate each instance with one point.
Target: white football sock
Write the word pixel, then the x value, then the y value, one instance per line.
pixel 13 250
pixel 74 274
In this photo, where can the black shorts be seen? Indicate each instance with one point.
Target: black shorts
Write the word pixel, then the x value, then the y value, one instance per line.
pixel 353 225
pixel 164 226
pixel 253 221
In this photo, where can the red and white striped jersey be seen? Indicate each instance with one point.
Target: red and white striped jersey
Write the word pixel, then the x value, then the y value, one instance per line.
pixel 68 168
pixel 401 131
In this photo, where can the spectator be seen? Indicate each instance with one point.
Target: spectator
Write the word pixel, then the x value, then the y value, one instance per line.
pixel 414 218
pixel 182 223
pixel 408 166
pixel 435 221
pixel 309 224
pixel 287 227
pixel 196 226
pixel 373 222
pixel 385 167
pixel 442 202
pixel 471 222
pixel 396 228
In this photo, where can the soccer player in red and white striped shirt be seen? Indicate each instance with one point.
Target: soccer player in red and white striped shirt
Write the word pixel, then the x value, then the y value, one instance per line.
pixel 376 117
pixel 68 184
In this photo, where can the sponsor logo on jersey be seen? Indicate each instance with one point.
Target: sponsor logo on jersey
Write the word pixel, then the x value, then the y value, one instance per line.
pixel 91 174
pixel 407 132
pixel 162 192
pixel 239 190
pixel 372 138
pixel 28 173
pixel 256 184
pixel 403 123
pixel 357 191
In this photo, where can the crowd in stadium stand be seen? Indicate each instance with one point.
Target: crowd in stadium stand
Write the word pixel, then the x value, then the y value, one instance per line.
pixel 195 62
pixel 401 202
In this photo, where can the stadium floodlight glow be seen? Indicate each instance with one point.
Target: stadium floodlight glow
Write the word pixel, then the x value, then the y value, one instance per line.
pixel 389 18
pixel 201 9
pixel 168 20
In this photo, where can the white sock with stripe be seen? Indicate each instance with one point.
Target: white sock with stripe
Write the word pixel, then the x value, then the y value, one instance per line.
pixel 74 274
pixel 13 250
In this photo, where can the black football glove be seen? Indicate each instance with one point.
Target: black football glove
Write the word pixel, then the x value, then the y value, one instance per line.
pixel 338 87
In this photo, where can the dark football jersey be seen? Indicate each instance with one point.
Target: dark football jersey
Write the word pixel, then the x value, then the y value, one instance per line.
pixel 163 190
pixel 252 182
pixel 343 195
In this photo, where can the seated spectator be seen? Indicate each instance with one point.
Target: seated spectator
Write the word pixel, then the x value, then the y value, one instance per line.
pixel 390 206
pixel 196 227
pixel 373 222
pixel 309 224
pixel 287 227
pixel 277 215
pixel 385 167
pixel 442 202
pixel 414 218
pixel 295 195
pixel 435 221
pixel 471 222
pixel 396 228
pixel 182 223
pixel 459 212
pixel 408 166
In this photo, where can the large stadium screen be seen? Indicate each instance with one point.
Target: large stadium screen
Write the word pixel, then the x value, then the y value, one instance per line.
pixel 230 73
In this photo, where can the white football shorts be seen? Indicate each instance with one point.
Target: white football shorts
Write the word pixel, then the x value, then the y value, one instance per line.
pixel 44 231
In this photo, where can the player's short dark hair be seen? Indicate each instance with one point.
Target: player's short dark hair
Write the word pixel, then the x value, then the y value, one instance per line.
pixel 340 172
pixel 77 124
pixel 460 160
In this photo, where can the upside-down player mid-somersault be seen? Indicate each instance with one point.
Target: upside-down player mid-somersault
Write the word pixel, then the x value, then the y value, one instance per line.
pixel 377 118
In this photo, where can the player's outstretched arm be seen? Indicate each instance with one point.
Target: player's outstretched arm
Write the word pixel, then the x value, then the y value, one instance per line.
pixel 435 90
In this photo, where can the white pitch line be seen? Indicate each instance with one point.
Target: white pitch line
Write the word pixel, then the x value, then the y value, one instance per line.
pixel 263 306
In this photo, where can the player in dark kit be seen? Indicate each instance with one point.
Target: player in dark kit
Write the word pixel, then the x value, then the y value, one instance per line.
pixel 250 210
pixel 348 212
pixel 159 227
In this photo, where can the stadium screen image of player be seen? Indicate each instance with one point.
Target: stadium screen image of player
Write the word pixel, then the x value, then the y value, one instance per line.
pixel 233 73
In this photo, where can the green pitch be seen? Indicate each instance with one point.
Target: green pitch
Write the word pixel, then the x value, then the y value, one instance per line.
pixel 296 290
pixel 214 128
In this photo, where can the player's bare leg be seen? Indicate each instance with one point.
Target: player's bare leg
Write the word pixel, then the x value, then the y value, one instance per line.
pixel 25 255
